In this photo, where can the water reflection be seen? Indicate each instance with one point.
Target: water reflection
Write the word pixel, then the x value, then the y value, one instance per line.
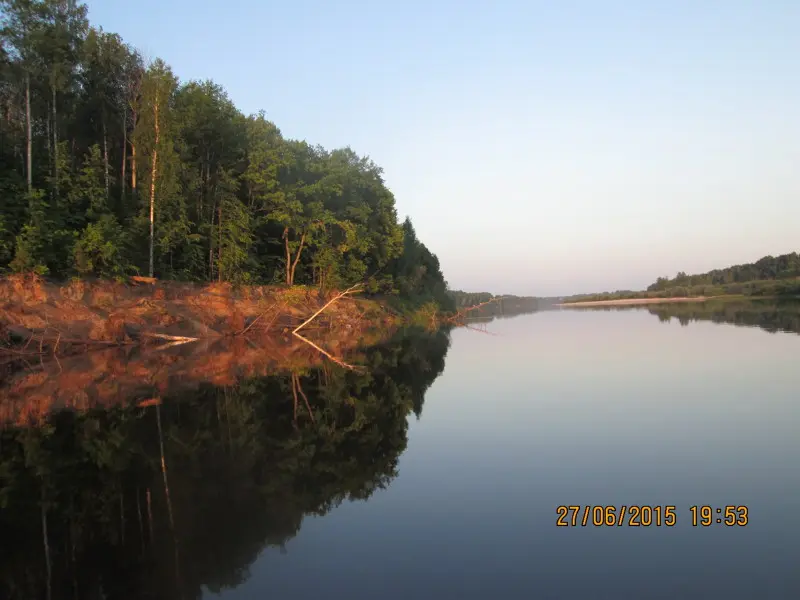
pixel 119 375
pixel 505 308
pixel 772 315
pixel 160 500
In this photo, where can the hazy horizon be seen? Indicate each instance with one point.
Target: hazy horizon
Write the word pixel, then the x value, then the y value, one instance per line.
pixel 539 149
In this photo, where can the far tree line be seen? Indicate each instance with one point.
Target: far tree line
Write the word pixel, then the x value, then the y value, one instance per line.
pixel 768 268
pixel 768 276
pixel 112 166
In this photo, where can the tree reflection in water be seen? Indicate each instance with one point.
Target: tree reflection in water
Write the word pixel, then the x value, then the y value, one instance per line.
pixel 773 315
pixel 156 501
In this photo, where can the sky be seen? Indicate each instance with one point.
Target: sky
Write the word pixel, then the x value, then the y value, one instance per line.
pixel 539 147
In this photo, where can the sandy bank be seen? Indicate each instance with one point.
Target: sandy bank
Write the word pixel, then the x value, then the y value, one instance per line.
pixel 628 301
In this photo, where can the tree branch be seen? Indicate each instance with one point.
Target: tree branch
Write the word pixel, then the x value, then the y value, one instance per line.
pixel 349 290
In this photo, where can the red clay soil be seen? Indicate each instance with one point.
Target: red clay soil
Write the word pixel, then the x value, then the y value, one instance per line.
pixel 47 330
pixel 37 317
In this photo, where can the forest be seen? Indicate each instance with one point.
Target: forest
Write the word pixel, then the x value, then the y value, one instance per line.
pixel 111 166
pixel 768 276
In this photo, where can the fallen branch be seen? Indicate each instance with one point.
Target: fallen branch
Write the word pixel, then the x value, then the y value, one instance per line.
pixel 59 340
pixel 328 354
pixel 96 342
pixel 140 279
pixel 349 290
pixel 172 344
pixel 480 330
pixel 88 342
pixel 460 314
pixel 171 338
pixel 246 329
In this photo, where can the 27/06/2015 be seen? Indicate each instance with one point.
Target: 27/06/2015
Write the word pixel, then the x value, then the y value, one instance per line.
pixel 643 515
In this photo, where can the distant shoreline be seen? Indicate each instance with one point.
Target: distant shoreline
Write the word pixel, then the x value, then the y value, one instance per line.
pixel 626 301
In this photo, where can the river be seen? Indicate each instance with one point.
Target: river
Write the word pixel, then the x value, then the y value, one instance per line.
pixel 437 470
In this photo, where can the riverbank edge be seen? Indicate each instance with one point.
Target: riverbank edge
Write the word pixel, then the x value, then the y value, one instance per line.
pixel 635 301
pixel 677 299
pixel 39 317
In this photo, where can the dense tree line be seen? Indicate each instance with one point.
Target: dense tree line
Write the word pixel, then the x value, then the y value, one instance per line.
pixel 768 276
pixel 109 166
pixel 768 268
pixel 164 501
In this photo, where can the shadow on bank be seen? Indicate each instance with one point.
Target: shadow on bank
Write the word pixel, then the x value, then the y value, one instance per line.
pixel 182 492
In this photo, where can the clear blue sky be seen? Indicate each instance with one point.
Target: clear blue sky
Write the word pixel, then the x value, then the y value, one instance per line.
pixel 540 147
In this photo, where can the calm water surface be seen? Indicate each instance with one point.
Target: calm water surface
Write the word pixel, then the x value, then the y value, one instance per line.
pixel 437 474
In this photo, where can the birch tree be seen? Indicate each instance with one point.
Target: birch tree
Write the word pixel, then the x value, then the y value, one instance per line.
pixel 154 135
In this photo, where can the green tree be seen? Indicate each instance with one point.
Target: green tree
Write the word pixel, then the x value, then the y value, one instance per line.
pixel 299 207
pixel 155 136
pixel 100 248
pixel 108 165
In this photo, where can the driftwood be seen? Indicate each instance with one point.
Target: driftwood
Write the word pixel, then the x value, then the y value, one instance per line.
pixel 140 279
pixel 170 338
pixel 171 345
pixel 51 340
pixel 461 313
pixel 486 331
pixel 258 318
pixel 349 290
pixel 58 340
pixel 325 353
pixel 338 296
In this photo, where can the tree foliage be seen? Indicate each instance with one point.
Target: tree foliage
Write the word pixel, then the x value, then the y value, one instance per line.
pixel 786 266
pixel 110 165
pixel 768 276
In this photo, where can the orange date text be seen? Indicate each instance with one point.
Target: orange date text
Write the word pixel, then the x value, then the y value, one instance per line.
pixel 608 515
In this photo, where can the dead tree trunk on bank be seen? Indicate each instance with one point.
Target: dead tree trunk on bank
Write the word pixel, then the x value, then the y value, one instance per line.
pixel 124 154
pixel 153 183
pixel 105 156
pixel 29 131
pixel 133 168
pixel 55 142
